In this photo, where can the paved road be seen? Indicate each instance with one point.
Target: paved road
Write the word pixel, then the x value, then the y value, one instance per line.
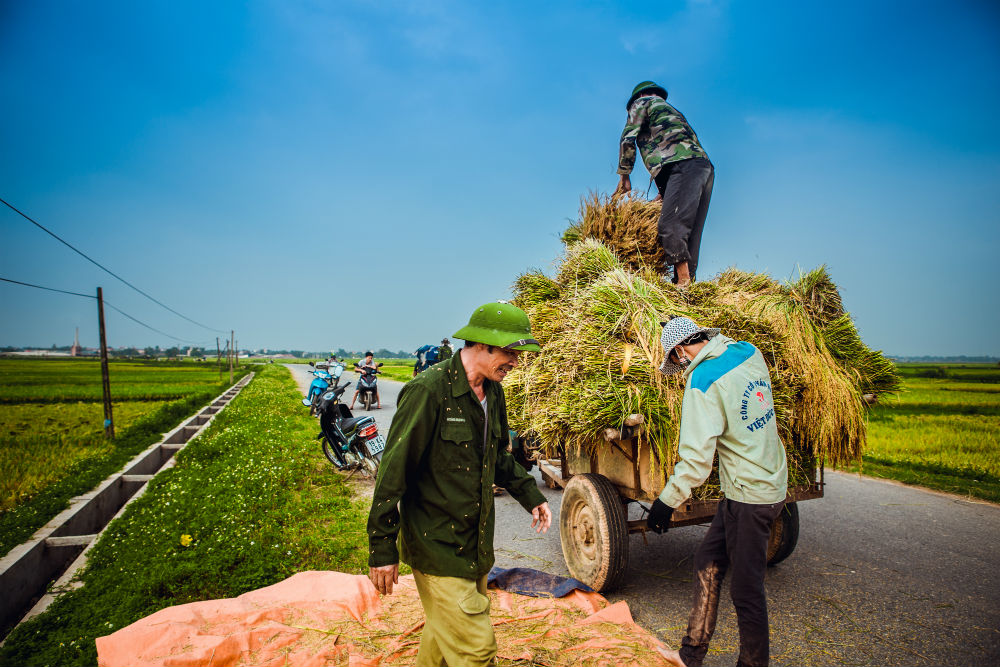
pixel 883 574
pixel 388 391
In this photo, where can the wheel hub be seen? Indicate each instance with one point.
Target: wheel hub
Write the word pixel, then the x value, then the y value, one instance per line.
pixel 585 531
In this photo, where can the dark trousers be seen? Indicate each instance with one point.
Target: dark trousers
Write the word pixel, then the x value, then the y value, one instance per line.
pixel 686 188
pixel 735 542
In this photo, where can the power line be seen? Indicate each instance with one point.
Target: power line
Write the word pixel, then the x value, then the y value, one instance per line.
pixel 109 305
pixel 51 289
pixel 183 340
pixel 104 268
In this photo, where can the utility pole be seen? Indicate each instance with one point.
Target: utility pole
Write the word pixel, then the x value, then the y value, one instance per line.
pixel 232 339
pixel 237 354
pixel 218 355
pixel 109 424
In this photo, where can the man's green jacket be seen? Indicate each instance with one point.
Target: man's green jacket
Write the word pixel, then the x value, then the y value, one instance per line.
pixel 438 470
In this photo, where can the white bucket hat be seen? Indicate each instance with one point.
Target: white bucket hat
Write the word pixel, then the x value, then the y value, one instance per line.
pixel 675 331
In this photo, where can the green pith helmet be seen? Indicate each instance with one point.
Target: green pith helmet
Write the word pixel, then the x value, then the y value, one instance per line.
pixel 499 324
pixel 646 87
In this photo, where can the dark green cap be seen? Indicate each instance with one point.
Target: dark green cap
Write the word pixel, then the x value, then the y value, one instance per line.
pixel 646 87
pixel 499 324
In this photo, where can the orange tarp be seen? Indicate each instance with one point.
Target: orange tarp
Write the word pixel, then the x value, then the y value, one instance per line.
pixel 331 618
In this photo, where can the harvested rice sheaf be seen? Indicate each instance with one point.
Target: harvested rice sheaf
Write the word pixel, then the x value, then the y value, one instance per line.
pixel 598 324
pixel 529 631
pixel 626 225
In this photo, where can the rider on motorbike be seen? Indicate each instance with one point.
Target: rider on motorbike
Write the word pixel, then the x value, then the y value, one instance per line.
pixel 368 362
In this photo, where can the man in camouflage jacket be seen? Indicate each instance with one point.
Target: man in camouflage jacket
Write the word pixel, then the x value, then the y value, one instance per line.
pixel 680 167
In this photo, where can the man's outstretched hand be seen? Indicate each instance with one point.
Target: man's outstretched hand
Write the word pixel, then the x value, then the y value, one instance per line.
pixel 542 517
pixel 384 577
pixel 624 185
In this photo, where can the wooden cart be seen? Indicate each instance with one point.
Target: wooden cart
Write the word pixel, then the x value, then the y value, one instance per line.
pixel 593 518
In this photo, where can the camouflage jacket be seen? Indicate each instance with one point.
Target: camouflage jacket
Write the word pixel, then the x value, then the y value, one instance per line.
pixel 662 134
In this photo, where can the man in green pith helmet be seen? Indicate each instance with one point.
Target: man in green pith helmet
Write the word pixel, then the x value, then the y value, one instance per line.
pixel 680 167
pixel 447 446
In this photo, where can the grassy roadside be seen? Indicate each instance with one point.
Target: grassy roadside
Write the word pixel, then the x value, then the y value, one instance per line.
pixel 20 523
pixel 943 431
pixel 249 503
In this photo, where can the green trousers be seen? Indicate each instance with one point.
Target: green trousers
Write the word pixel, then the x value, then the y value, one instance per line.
pixel 458 631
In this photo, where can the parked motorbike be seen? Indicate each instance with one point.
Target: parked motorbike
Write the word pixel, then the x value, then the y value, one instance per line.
pixel 349 442
pixel 325 374
pixel 368 385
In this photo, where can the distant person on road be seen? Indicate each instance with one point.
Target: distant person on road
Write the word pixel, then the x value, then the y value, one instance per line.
pixel 727 410
pixel 680 167
pixel 367 362
pixel 447 446
pixel 427 356
pixel 444 350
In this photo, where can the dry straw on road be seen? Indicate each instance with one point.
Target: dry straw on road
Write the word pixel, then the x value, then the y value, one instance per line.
pixel 598 324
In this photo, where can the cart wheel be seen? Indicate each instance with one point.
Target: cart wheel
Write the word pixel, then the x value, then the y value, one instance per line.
pixel 593 531
pixel 784 534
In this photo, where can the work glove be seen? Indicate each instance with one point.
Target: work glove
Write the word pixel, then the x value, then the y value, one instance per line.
pixel 658 520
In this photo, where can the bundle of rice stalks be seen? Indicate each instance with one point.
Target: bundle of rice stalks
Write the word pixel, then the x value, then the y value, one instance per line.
pixel 626 225
pixel 598 324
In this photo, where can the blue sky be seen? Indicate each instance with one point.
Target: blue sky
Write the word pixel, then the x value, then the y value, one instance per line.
pixel 321 175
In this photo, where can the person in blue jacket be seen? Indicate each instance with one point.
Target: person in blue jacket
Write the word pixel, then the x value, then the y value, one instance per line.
pixel 727 411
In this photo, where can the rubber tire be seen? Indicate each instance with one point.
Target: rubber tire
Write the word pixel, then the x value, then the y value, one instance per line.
pixel 784 535
pixel 594 531
pixel 369 464
pixel 328 452
pixel 368 401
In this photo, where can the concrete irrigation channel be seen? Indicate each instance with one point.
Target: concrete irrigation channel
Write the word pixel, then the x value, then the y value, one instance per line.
pixel 59 549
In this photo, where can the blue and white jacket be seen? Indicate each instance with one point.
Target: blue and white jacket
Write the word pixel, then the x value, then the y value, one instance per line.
pixel 728 408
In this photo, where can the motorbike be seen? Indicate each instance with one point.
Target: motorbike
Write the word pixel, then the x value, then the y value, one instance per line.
pixel 325 374
pixel 368 385
pixel 349 442
pixel 427 356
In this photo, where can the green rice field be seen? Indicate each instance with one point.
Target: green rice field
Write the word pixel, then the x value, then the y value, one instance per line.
pixel 52 443
pixel 61 380
pixel 942 431
pixel 398 369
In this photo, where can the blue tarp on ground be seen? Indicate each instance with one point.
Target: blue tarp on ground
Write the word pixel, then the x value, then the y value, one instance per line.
pixel 538 584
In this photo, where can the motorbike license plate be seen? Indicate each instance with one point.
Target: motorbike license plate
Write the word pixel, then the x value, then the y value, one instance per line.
pixel 376 444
